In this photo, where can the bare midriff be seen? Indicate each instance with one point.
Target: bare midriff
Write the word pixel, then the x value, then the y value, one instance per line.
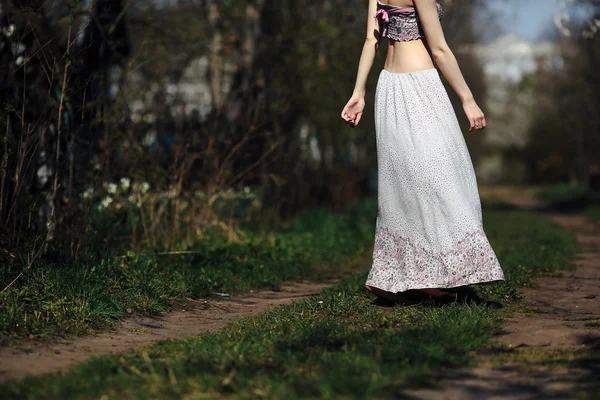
pixel 409 56
pixel 403 57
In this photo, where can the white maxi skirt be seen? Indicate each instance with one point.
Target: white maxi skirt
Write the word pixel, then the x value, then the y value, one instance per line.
pixel 429 230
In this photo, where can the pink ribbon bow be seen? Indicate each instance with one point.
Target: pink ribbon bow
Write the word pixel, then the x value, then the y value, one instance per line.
pixel 383 15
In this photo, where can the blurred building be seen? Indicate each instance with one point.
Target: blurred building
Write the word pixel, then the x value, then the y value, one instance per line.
pixel 510 64
pixel 189 95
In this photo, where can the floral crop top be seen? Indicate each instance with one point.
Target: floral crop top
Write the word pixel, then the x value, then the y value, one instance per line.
pixel 401 24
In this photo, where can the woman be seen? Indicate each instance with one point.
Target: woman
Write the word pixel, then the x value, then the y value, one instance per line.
pixel 429 235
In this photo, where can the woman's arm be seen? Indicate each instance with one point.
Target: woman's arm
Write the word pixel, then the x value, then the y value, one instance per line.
pixel 445 60
pixel 369 50
pixel 353 111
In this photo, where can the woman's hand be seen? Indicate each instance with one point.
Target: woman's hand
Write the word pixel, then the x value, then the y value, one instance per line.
pixel 475 115
pixel 353 111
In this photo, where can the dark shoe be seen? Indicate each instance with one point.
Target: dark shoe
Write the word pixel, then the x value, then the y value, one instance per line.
pixel 417 296
pixel 468 295
pixel 383 302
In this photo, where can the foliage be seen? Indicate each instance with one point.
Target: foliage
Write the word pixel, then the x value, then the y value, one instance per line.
pixel 336 345
pixel 566 197
pixel 593 212
pixel 192 96
pixel 527 246
pixel 565 145
pixel 59 297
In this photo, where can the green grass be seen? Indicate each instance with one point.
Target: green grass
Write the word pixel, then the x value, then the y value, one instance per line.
pixel 566 196
pixel 334 346
pixel 593 212
pixel 67 299
pixel 527 245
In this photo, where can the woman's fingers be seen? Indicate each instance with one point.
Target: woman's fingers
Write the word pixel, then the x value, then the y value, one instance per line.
pixel 475 116
pixel 346 116
pixel 477 123
pixel 358 118
pixel 480 123
pixel 352 112
pixel 350 119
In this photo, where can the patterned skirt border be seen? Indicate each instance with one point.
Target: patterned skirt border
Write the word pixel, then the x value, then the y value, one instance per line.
pixel 399 265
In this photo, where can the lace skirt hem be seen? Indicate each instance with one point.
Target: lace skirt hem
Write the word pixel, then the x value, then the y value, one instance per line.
pixel 399 265
pixel 444 285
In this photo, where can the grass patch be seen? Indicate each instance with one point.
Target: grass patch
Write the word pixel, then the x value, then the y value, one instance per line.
pixel 527 246
pixel 336 345
pixel 68 299
pixel 566 196
pixel 530 359
pixel 593 213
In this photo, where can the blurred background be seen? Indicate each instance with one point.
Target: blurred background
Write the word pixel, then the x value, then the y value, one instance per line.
pixel 148 124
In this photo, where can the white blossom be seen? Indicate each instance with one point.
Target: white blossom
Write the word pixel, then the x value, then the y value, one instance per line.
pixel 172 193
pixel 43 174
pixel 112 188
pixel 125 183
pixel 10 30
pixel 106 202
pixel 89 192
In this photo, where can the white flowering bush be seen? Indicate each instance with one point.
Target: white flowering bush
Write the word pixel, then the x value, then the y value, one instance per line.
pixel 170 215
pixel 237 203
pixel 120 195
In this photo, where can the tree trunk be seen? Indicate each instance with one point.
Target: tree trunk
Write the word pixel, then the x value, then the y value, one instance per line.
pixel 215 57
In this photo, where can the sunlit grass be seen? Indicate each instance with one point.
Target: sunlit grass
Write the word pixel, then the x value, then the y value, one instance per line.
pixel 56 298
pixel 336 345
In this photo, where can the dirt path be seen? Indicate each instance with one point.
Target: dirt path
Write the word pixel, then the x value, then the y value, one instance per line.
pixel 192 319
pixel 547 348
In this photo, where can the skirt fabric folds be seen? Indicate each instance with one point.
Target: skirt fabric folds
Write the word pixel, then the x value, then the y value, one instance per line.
pixel 429 230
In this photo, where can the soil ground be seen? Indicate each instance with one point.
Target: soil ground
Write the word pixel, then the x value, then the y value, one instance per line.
pixel 545 348
pixel 192 318
pixel 540 356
